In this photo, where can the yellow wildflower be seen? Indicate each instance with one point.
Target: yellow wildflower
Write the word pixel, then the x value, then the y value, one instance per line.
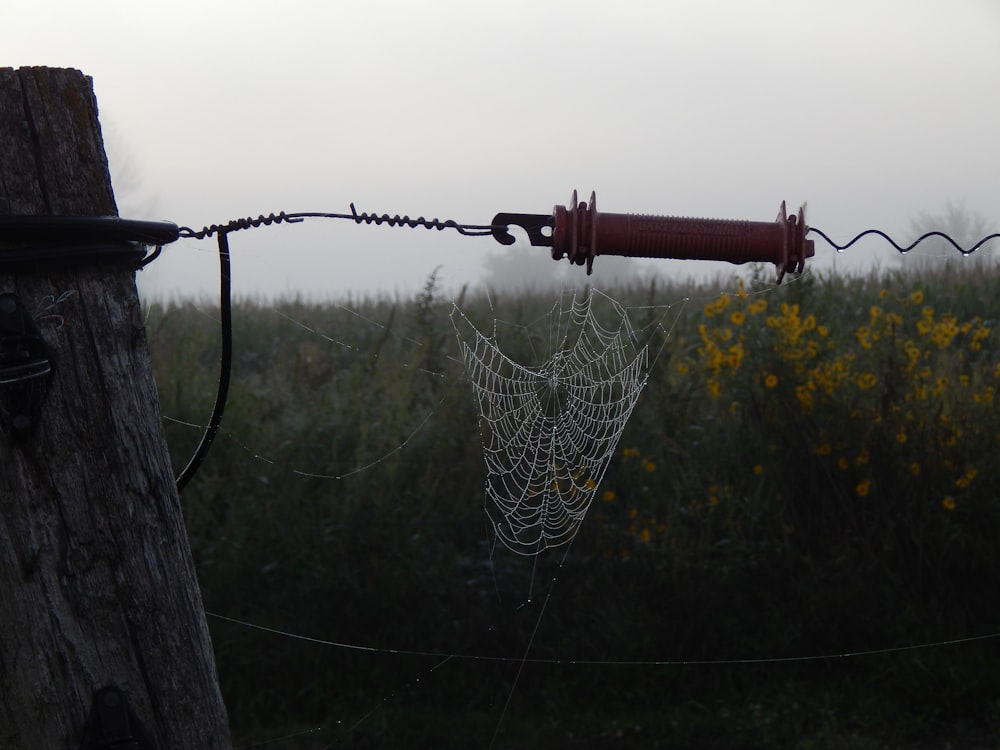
pixel 735 355
pixel 948 503
pixel 863 336
pixel 866 380
pixel 966 479
pixel 770 380
pixel 863 487
pixel 717 307
pixel 804 395
pixel 789 311
pixel 608 496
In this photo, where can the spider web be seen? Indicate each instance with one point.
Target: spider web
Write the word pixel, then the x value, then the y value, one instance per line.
pixel 549 430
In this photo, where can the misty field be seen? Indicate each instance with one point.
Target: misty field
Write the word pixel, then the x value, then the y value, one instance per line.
pixel 804 498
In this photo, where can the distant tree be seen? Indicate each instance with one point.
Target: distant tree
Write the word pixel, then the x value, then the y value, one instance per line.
pixel 964 226
pixel 522 268
pixel 134 201
pixel 526 268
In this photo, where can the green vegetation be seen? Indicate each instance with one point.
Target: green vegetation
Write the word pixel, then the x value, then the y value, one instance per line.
pixel 811 470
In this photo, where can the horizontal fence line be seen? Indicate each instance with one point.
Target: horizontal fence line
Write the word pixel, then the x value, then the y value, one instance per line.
pixel 605 662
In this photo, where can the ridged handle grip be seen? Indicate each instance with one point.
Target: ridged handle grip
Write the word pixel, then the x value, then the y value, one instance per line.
pixel 580 233
pixel 644 236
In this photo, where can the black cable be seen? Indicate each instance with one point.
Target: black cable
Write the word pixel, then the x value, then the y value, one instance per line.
pixel 31 242
pixel 225 293
pixel 151 257
pixel 225 365
pixel 907 248
pixel 470 230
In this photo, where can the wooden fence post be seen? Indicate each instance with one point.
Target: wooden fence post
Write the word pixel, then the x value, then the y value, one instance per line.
pixel 97 583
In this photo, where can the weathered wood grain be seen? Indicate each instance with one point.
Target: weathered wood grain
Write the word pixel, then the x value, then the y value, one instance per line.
pixel 97 584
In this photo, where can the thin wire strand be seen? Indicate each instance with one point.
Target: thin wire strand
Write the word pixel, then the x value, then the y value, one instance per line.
pixel 903 248
pixel 469 230
pixel 608 662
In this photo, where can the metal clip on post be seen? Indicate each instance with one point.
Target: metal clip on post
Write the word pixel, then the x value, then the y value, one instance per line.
pixel 111 724
pixel 25 369
pixel 579 232
pixel 37 244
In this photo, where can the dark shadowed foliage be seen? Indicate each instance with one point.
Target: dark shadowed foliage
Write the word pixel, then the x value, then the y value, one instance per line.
pixel 810 471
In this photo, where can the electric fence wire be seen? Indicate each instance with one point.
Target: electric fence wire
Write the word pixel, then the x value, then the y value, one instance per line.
pixel 221 231
pixel 469 230
pixel 903 249
pixel 608 662
pixel 484 230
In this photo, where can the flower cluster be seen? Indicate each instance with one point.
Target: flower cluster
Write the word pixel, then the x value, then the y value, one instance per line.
pixel 641 525
pixel 903 381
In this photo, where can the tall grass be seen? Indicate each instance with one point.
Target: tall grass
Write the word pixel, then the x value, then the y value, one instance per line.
pixel 810 471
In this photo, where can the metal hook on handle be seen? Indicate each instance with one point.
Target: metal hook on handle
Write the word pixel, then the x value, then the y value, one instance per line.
pixel 534 224
pixel 579 232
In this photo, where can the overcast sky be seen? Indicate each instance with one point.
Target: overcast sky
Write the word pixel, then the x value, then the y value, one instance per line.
pixel 870 110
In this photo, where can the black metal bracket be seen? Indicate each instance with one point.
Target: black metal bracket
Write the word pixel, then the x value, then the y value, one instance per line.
pixel 538 227
pixel 25 369
pixel 112 725
pixel 35 243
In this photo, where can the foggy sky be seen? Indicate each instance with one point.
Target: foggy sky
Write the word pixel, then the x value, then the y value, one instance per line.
pixel 872 111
